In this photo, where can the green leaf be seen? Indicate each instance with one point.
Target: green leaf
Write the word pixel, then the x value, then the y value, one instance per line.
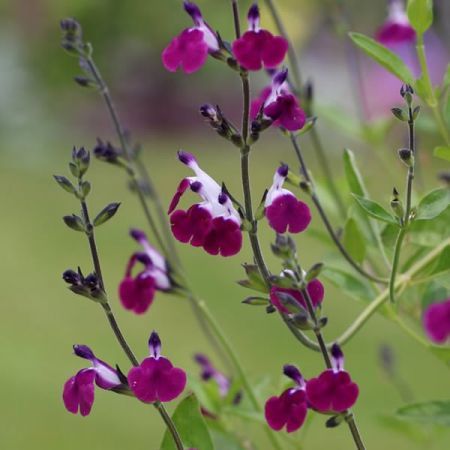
pixel 353 285
pixel 433 292
pixel 446 80
pixel 443 353
pixel 442 152
pixel 354 178
pixel 190 425
pixel 388 237
pixel 383 56
pixel 420 14
pixel 433 204
pixel 434 412
pixel 65 183
pixel 353 240
pixel 375 210
pixel 429 233
pixel 222 438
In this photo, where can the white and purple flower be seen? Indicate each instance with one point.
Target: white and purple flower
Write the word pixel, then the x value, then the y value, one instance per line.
pixel 279 104
pixel 283 211
pixel 213 224
pixel 189 50
pixel 396 28
pixel 78 393
pixel 137 293
pixel 258 48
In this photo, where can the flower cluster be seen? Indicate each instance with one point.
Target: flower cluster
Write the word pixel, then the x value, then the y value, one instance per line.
pixel 137 293
pixel 332 392
pixel 213 224
pixel 436 321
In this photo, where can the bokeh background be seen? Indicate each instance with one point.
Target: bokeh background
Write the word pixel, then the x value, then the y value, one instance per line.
pixel 43 114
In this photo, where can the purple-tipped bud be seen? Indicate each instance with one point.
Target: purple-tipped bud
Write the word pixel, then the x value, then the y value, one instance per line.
pixel 138 235
pixel 143 258
pixel 83 351
pixel 194 11
pixel 280 77
pixel 253 16
pixel 294 374
pixel 337 357
pixel 70 25
pixel 185 157
pixel 71 277
pixel 209 112
pixel 223 198
pixel 154 344
pixel 196 186
pixel 283 170
pixel 406 89
pixel 91 281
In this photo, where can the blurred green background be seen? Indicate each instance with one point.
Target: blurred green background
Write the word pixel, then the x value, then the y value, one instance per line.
pixel 43 114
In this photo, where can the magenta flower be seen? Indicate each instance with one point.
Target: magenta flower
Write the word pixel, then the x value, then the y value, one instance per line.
pixel 209 372
pixel 189 50
pixel 279 104
pixel 155 379
pixel 283 211
pixel 290 408
pixel 436 321
pixel 396 28
pixel 315 290
pixel 213 224
pixel 258 48
pixel 332 391
pixel 78 393
pixel 137 293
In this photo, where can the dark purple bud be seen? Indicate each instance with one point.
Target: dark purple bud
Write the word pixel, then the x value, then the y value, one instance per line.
pixel 223 198
pixel 105 151
pixel 71 277
pixel 337 356
pixel 138 235
pixel 283 170
pixel 154 344
pixel 83 351
pixel 406 89
pixel 70 25
pixel 406 155
pixel 91 281
pixel 84 81
pixel 143 258
pixel 293 373
pixel 209 112
pixel 253 13
pixel 196 186
pixel 193 10
pixel 201 359
pixel 280 77
pixel 185 157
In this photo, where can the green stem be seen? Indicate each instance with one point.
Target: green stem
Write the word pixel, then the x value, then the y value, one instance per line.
pixel 430 95
pixel 170 425
pixel 324 217
pixel 397 249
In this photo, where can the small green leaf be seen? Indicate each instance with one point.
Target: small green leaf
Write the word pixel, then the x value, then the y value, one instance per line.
pixel 106 213
pixel 434 412
pixel 354 178
pixel 383 56
pixel 354 241
pixel 433 204
pixel 65 184
pixel 256 301
pixel 355 286
pixel 375 210
pixel 190 425
pixel 420 14
pixel 442 152
pixel 253 286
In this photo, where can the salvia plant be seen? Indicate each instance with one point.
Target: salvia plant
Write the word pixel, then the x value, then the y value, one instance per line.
pixel 384 256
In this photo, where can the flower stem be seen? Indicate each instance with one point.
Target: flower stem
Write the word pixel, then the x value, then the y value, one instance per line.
pixel 324 217
pixel 170 425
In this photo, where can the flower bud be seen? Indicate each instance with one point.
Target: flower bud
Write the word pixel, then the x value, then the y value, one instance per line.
pixel 400 114
pixel 406 156
pixel 406 91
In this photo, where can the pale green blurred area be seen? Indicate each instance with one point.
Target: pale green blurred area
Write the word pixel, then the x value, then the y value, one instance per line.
pixel 42 114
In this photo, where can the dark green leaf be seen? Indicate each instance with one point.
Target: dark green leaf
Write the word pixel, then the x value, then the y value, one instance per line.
pixel 353 240
pixel 355 286
pixel 190 425
pixel 434 412
pixel 429 233
pixel 106 213
pixel 442 152
pixel 354 178
pixel 433 204
pixel 420 14
pixel 375 210
pixel 383 56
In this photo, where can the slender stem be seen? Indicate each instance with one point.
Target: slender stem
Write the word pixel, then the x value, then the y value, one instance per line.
pixel 350 419
pixel 324 217
pixel 170 425
pixel 397 249
pixel 104 91
pixel 431 98
pixel 237 25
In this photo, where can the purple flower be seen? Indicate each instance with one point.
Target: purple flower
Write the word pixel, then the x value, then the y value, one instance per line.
pixel 290 408
pixel 283 211
pixel 156 379
pixel 333 391
pixel 137 293
pixel 436 321
pixel 213 224
pixel 315 290
pixel 279 104
pixel 396 28
pixel 78 393
pixel 189 50
pixel 209 372
pixel 258 48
